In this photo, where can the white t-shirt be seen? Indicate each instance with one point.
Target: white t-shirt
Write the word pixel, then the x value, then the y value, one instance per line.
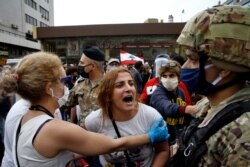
pixel 139 124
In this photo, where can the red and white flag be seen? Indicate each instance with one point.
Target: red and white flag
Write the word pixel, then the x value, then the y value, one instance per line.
pixel 127 58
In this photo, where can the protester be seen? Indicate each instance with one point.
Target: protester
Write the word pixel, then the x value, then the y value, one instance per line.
pixel 6 101
pixel 137 75
pixel 190 73
pixel 169 100
pixel 122 115
pixel 40 140
pixel 112 63
pixel 15 113
pixel 72 76
pixel 146 73
pixel 221 136
pixel 180 59
pixel 151 85
pixel 5 105
pixel 72 73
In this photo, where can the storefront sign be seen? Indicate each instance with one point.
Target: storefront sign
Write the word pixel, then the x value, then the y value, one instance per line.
pixel 4 53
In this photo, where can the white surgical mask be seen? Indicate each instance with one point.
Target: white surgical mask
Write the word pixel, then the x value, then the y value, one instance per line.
pixel 170 84
pixel 61 100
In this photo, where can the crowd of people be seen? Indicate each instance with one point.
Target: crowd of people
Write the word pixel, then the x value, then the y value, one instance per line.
pixel 178 114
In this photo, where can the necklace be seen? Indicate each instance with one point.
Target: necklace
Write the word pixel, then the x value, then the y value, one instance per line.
pixel 41 108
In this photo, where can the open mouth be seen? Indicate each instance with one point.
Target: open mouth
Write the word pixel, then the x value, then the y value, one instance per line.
pixel 128 99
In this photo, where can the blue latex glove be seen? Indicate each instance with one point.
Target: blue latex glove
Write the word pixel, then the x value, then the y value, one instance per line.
pixel 158 132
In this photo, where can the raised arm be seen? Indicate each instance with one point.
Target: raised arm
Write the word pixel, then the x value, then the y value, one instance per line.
pixel 71 137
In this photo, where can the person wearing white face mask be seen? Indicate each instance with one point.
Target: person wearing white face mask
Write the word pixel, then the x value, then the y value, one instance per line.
pixel 169 100
pixel 61 100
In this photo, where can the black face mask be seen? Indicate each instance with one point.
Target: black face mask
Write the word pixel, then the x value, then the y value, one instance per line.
pixel 206 88
pixel 82 72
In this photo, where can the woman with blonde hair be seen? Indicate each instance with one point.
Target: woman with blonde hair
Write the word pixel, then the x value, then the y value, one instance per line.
pixel 122 114
pixel 43 141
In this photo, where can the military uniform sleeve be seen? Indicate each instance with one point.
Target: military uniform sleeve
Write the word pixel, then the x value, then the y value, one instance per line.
pixel 72 99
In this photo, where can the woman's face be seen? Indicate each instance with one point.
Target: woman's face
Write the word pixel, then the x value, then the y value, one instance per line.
pixel 124 93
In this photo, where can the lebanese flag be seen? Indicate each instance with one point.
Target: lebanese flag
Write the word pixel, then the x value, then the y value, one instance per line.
pixel 127 58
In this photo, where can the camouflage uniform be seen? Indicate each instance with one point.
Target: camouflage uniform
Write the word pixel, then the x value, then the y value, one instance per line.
pixel 223 33
pixel 230 146
pixel 228 46
pixel 84 94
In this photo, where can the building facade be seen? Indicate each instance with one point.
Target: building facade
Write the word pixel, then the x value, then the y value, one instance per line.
pixel 18 22
pixel 237 2
pixel 143 39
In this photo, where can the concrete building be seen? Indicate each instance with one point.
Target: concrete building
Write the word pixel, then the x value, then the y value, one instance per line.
pixel 237 2
pixel 18 22
pixel 142 39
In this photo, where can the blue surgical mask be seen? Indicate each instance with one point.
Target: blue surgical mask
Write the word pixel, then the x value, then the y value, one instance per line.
pixel 191 78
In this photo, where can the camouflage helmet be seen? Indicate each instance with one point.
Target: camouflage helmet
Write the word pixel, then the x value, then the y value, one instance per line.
pixel 227 40
pixel 193 31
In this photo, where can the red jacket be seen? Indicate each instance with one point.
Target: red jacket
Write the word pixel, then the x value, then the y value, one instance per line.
pixel 151 85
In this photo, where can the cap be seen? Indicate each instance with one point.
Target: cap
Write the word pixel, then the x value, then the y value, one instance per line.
pixel 111 60
pixel 94 53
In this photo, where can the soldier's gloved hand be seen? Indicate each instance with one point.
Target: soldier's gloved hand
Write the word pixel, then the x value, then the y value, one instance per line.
pixel 158 131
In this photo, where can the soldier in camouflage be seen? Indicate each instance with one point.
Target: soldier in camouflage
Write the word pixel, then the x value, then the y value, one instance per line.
pixel 84 93
pixel 190 38
pixel 221 35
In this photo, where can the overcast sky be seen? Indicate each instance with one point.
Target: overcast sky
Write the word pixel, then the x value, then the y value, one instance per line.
pixel 87 12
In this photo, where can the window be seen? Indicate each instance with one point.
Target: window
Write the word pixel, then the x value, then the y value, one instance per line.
pixel 43 24
pixel 30 20
pixel 246 4
pixel 44 13
pixel 31 3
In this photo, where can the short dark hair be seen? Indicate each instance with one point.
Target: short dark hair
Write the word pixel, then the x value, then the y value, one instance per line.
pixel 138 64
